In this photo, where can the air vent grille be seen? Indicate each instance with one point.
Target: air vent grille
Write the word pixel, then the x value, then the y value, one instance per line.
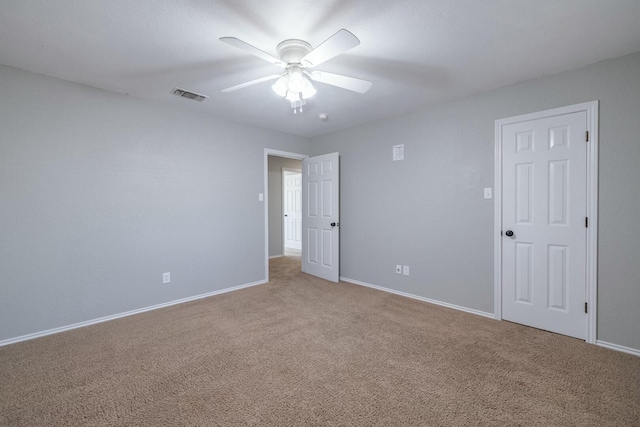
pixel 190 95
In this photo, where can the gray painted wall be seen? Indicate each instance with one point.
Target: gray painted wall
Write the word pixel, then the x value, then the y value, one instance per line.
pixel 428 211
pixel 101 193
pixel 276 244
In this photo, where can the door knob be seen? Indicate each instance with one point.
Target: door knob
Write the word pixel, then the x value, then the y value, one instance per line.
pixel 335 224
pixel 509 233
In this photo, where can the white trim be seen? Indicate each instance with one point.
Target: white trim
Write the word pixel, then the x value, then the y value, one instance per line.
pixel 617 347
pixel 497 225
pixel 276 256
pixel 592 109
pixel 125 314
pixel 419 298
pixel 591 291
pixel 270 152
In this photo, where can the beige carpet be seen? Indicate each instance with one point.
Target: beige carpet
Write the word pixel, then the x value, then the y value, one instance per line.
pixel 303 352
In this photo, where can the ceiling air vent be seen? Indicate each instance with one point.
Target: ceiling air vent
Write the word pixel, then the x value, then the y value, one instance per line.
pixel 191 95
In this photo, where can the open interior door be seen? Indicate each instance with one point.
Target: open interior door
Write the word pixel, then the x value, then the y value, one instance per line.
pixel 320 216
pixel 292 182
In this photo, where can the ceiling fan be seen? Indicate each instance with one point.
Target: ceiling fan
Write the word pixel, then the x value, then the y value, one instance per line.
pixel 296 57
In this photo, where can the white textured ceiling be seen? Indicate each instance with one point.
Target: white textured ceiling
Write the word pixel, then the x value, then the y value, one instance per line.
pixel 416 52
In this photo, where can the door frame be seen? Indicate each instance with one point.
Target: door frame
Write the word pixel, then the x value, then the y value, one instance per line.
pixel 591 290
pixel 284 231
pixel 277 153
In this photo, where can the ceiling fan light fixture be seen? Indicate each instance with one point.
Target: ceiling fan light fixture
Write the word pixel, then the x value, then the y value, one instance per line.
pixel 295 56
pixel 281 86
pixel 296 80
pixel 308 90
pixel 293 97
pixel 305 93
pixel 294 86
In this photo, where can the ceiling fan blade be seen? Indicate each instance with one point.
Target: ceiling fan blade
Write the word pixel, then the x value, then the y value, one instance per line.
pixel 252 82
pixel 345 82
pixel 252 50
pixel 338 43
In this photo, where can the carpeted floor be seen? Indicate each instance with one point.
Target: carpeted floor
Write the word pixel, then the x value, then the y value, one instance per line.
pixel 300 351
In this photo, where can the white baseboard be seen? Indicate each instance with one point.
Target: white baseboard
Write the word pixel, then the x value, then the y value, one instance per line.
pixel 275 256
pixel 125 314
pixel 600 343
pixel 617 347
pixel 419 298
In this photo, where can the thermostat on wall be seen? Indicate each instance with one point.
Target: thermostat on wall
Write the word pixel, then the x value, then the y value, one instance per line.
pixel 398 152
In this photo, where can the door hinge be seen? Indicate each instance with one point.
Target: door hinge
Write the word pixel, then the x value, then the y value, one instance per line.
pixel 587 137
pixel 586 306
pixel 586 221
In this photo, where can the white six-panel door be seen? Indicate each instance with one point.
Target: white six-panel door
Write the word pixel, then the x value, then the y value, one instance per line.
pixel 292 209
pixel 320 216
pixel 544 190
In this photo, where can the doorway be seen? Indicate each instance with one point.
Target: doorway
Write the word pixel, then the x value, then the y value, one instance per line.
pixel 276 164
pixel 546 220
pixel 292 211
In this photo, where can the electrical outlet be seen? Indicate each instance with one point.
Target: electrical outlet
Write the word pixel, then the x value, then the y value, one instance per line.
pixel 166 278
pixel 405 270
pixel 398 269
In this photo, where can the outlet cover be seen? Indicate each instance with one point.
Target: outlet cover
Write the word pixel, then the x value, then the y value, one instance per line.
pixel 398 269
pixel 398 152
pixel 166 278
pixel 405 270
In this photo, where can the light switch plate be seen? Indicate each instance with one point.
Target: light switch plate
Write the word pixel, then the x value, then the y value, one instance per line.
pixel 487 193
pixel 260 197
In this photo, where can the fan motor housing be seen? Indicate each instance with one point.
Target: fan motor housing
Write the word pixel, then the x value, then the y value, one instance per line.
pixel 293 50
